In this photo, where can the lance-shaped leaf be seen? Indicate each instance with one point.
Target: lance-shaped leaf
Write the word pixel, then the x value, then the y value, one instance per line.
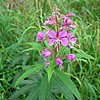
pixel 59 85
pixel 51 69
pixel 21 91
pixel 34 93
pixel 69 84
pixel 34 46
pixel 28 73
pixel 45 89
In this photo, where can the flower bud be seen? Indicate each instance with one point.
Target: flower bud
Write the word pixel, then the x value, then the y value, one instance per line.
pixel 71 57
pixel 40 36
pixel 46 53
pixel 70 15
pixel 47 64
pixel 59 62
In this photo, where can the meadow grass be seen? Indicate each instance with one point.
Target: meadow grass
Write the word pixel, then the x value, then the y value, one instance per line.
pixel 19 25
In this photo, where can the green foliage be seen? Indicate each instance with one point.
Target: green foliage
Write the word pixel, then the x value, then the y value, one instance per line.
pixel 28 73
pixel 51 69
pixel 43 92
pixel 58 84
pixel 21 64
pixel 69 84
pixel 44 89
pixel 24 89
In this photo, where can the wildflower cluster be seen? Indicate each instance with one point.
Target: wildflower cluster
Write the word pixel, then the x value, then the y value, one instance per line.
pixel 60 35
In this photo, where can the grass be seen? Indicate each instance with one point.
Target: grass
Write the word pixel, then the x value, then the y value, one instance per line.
pixel 19 25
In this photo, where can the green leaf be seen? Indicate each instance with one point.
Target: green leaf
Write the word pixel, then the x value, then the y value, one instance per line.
pixel 82 54
pixel 28 73
pixel 69 84
pixel 34 93
pixel 82 60
pixel 43 87
pixel 22 36
pixel 35 46
pixel 48 90
pixel 51 69
pixel 57 83
pixel 22 91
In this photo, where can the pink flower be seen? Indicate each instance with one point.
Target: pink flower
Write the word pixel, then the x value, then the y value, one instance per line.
pixel 59 62
pixel 68 23
pixel 71 57
pixel 21 0
pixel 70 15
pixel 46 53
pixel 71 39
pixel 47 64
pixel 60 37
pixel 51 20
pixel 40 36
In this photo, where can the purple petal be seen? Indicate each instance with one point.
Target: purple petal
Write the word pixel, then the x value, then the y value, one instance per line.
pixel 52 22
pixel 64 41
pixel 62 34
pixel 73 40
pixel 47 64
pixel 52 34
pixel 70 15
pixel 46 22
pixel 65 20
pixel 51 42
pixel 69 35
pixel 63 27
pixel 46 53
pixel 40 36
pixel 72 26
pixel 71 57
pixel 59 62
pixel 69 21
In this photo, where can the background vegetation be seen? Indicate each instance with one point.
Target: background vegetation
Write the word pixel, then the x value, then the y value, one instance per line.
pixel 19 24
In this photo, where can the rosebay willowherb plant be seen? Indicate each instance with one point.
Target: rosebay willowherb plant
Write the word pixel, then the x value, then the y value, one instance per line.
pixel 51 81
pixel 59 36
